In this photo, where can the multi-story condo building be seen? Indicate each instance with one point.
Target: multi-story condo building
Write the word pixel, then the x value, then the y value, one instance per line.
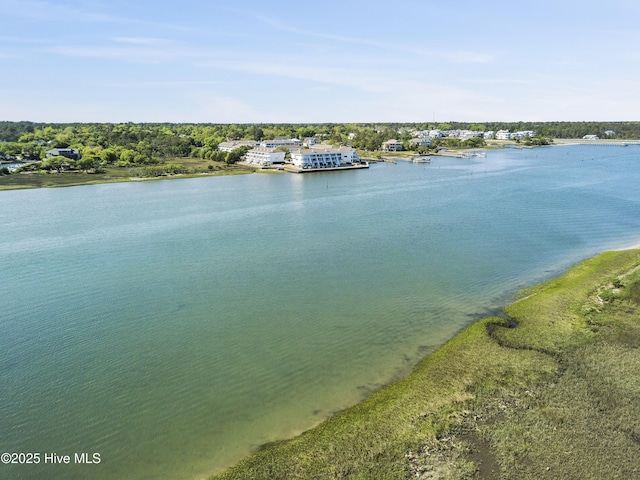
pixel 324 156
pixel 264 156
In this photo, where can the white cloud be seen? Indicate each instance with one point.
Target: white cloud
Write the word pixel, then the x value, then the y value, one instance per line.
pixel 168 84
pixel 454 56
pixel 107 52
pixel 52 12
pixel 136 53
pixel 141 40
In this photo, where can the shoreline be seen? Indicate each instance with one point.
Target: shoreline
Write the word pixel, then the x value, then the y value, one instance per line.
pixel 463 406
pixel 21 181
pixel 52 180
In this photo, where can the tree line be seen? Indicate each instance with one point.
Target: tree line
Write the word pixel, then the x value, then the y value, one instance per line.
pixel 140 144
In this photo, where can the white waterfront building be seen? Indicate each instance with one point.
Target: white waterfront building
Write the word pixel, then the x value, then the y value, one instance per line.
pixel 264 156
pixel 503 135
pixel 467 134
pixel 523 134
pixel 324 156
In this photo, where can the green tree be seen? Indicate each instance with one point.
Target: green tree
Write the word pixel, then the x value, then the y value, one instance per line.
pixel 474 142
pixel 53 163
pixel 62 140
pixel 87 163
pixel 256 133
pixel 109 156
pixel 127 156
pixel 236 155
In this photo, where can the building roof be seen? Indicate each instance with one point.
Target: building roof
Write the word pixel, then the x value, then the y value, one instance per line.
pixel 322 148
pixel 266 150
pixel 231 143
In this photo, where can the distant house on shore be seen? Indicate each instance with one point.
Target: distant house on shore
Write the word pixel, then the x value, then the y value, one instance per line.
pixel 591 137
pixel 503 135
pixel 523 134
pixel 467 134
pixel 392 145
pixel 70 153
pixel 420 142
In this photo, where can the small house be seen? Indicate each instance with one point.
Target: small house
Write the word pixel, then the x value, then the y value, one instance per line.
pixel 70 153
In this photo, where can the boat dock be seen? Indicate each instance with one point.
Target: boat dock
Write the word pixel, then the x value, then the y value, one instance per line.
pixel 601 142
pixel 355 166
pixel 454 153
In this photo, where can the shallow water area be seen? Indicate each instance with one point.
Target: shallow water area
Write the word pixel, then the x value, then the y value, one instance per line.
pixel 174 326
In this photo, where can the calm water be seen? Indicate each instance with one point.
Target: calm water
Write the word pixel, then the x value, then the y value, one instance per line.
pixel 174 326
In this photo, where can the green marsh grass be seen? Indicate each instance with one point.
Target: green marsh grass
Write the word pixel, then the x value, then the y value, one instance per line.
pixel 194 167
pixel 556 397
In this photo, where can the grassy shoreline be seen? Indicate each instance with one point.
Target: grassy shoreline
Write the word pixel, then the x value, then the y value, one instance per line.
pixel 18 181
pixel 555 397
pixel 196 167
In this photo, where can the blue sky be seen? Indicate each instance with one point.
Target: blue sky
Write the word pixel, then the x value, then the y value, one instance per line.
pixel 330 61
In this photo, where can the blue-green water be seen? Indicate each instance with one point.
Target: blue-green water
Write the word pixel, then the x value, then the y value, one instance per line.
pixel 174 326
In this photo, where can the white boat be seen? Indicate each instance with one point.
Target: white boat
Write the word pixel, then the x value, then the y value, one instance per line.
pixel 421 159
